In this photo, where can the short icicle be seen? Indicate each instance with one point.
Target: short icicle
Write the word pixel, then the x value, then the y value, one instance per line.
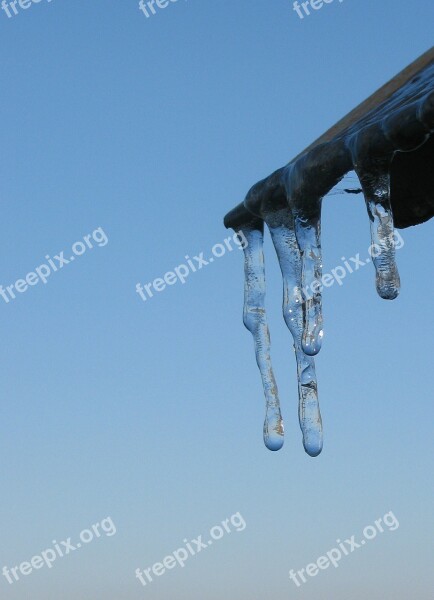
pixel 255 320
pixel 375 180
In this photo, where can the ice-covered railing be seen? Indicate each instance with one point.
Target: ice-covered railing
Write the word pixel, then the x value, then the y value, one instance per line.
pixel 388 142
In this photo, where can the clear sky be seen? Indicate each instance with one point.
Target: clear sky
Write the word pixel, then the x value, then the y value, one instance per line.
pixel 151 412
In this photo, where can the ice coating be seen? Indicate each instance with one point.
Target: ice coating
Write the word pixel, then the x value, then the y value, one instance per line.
pixel 255 320
pixel 398 121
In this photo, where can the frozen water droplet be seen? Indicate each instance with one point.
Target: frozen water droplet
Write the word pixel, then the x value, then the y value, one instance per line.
pixel 273 430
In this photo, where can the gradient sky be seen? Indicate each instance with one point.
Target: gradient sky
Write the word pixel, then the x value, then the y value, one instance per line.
pixel 151 413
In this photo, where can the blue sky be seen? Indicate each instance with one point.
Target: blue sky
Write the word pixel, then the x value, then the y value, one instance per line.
pixel 151 413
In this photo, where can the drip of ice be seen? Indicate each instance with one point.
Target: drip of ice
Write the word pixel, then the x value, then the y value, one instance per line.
pixel 255 320
pixel 376 188
pixel 308 232
pixel 281 226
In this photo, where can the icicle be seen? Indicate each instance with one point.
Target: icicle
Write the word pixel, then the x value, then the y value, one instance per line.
pixel 375 181
pixel 308 232
pixel 398 119
pixel 255 321
pixel 281 225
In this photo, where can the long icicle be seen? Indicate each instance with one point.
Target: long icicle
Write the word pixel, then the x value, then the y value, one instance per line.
pixel 281 225
pixel 255 320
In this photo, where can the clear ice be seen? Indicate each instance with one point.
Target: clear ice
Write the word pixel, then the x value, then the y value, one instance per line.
pixel 376 188
pixel 255 320
pixel 289 202
pixel 281 226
